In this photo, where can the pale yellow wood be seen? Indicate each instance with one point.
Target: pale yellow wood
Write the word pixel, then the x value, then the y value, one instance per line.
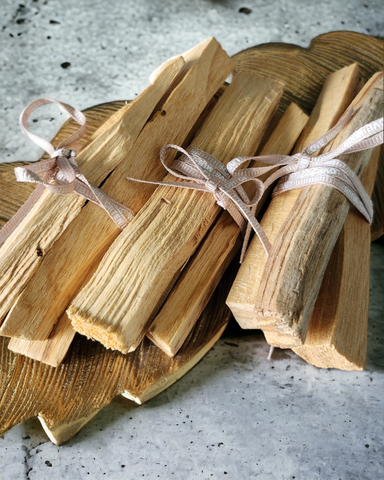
pixel 53 349
pixel 201 275
pixel 118 304
pixel 22 253
pixel 337 332
pixel 294 271
pixel 194 287
pixel 63 432
pixel 337 93
pixel 64 268
pixel 50 351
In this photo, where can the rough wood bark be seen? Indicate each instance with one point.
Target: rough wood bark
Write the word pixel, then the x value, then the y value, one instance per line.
pixel 64 268
pixel 118 303
pixel 201 275
pixel 22 253
pixel 304 70
pixel 337 93
pixel 337 332
pixel 293 273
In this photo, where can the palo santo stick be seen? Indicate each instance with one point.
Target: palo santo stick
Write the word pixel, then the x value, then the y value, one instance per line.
pixel 293 273
pixel 50 351
pixel 64 268
pixel 23 251
pixel 337 332
pixel 338 91
pixel 53 349
pixel 200 277
pixel 119 302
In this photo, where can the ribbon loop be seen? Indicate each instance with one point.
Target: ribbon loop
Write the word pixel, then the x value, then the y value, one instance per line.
pixel 60 173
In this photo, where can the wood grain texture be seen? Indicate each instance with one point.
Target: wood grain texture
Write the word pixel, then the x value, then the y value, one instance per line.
pixel 51 351
pixel 294 271
pixel 201 275
pixel 338 91
pixel 337 333
pixel 67 397
pixel 304 70
pixel 64 268
pixel 24 250
pixel 117 305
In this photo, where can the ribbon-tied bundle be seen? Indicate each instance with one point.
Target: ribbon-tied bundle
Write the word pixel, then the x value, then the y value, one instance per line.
pixel 299 170
pixel 60 173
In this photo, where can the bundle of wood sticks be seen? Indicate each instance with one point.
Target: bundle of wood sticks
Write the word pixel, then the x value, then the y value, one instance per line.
pixel 68 268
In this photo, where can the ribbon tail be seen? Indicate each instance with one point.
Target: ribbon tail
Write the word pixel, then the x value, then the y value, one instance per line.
pixel 247 236
pixel 248 215
pixel 118 212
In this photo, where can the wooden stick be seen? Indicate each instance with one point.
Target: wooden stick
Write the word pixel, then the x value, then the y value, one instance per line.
pixel 17 194
pixel 53 349
pixel 337 93
pixel 337 332
pixel 304 70
pixel 200 277
pixel 22 253
pixel 50 351
pixel 294 270
pixel 119 302
pixel 64 268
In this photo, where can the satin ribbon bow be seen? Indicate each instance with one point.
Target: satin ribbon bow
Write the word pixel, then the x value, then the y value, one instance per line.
pixel 299 170
pixel 60 173
pixel 224 182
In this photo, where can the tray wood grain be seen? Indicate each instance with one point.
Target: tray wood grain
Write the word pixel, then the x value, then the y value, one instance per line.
pixel 67 397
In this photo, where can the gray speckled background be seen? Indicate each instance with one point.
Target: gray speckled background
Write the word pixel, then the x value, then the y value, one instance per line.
pixel 235 415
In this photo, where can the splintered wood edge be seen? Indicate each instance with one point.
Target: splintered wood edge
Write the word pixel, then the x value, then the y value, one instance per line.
pixel 328 345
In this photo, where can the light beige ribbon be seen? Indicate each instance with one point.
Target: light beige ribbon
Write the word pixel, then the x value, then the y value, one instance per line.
pixel 299 170
pixel 60 173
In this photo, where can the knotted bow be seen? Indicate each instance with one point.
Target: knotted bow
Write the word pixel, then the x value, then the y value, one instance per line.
pixel 224 182
pixel 61 174
pixel 299 170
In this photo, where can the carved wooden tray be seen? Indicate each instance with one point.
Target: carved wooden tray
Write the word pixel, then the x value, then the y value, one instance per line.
pixel 67 397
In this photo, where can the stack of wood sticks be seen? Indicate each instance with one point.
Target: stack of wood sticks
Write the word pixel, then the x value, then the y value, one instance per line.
pixel 68 268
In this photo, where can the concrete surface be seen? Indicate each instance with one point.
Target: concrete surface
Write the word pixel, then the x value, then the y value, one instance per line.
pixel 235 415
